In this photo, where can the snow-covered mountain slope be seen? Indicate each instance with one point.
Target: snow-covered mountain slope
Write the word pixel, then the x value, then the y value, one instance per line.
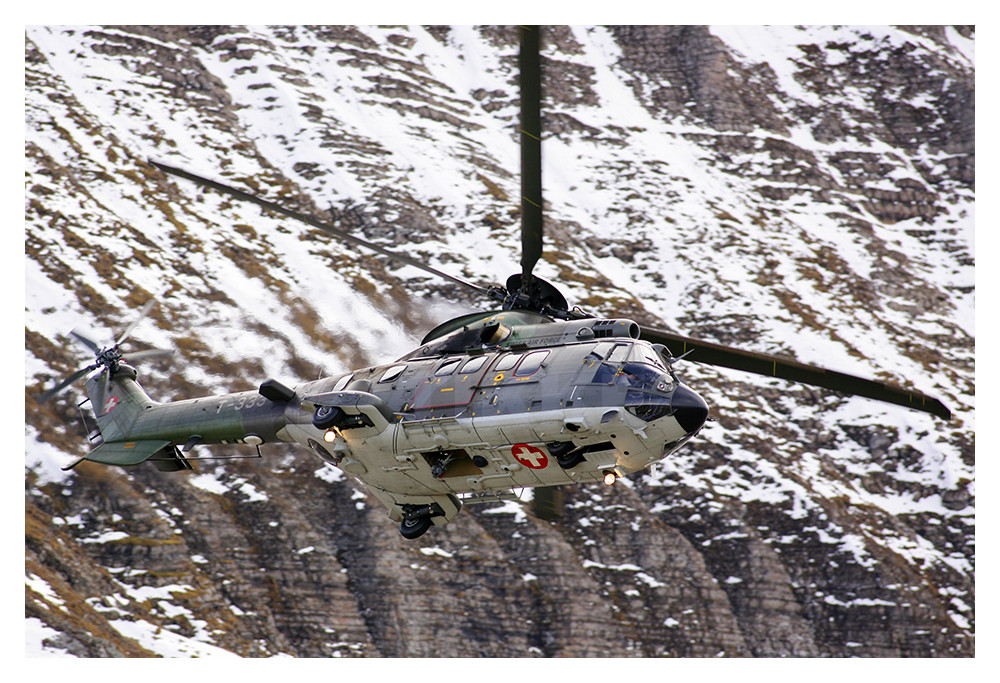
pixel 806 191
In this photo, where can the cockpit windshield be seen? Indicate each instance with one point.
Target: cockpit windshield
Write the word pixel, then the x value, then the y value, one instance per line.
pixel 643 353
pixel 642 376
pixel 634 376
pixel 647 386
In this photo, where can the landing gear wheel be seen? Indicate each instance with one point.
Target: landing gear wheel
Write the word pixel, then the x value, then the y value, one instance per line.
pixel 566 454
pixel 413 527
pixel 326 417
pixel 571 460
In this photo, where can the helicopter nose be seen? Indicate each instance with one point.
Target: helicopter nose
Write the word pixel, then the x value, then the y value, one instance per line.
pixel 690 410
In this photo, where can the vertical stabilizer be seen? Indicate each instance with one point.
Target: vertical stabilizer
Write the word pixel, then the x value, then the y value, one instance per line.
pixel 118 400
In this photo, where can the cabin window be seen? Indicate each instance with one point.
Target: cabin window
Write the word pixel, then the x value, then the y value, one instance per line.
pixel 474 364
pixel 342 382
pixel 531 363
pixel 392 373
pixel 507 362
pixel 448 367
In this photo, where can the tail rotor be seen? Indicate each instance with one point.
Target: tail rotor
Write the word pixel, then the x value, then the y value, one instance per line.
pixel 109 358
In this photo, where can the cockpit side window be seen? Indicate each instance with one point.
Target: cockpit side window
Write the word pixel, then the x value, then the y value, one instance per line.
pixel 619 353
pixel 607 372
pixel 601 350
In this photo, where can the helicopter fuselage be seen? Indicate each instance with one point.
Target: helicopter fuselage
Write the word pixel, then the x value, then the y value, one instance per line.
pixel 510 401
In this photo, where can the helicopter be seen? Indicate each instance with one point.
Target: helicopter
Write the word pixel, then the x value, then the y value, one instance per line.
pixel 532 393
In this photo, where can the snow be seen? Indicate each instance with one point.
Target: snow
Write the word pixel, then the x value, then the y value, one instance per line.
pixel 436 551
pixel 38 638
pixel 44 460
pixel 214 483
pixel 166 643
pixel 208 482
pixel 42 587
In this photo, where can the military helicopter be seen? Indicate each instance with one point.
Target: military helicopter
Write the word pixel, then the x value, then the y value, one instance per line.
pixel 530 394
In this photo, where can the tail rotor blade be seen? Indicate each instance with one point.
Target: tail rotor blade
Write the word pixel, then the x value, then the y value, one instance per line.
pixel 107 357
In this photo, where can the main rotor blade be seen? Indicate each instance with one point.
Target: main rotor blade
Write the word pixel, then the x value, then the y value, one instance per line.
pixel 775 366
pixel 142 314
pixel 308 220
pixel 66 382
pixel 529 63
pixel 151 353
pixel 86 341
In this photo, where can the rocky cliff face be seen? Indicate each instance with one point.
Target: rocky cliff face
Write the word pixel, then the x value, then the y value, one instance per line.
pixel 805 190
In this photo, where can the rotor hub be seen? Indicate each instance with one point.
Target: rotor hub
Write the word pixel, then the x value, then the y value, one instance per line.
pixel 534 294
pixel 110 358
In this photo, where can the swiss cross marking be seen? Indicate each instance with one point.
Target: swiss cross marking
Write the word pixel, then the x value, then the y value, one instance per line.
pixel 110 404
pixel 529 456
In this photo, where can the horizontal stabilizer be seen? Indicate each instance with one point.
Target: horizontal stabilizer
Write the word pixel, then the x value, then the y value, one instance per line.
pixel 123 453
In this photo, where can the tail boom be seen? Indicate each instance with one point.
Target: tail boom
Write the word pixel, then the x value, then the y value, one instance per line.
pixel 136 428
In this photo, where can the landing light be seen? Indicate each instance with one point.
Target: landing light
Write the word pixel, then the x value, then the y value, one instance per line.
pixel 330 436
pixel 609 477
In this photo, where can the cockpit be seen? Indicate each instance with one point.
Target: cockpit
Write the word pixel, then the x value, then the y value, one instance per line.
pixel 642 376
pixel 636 367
